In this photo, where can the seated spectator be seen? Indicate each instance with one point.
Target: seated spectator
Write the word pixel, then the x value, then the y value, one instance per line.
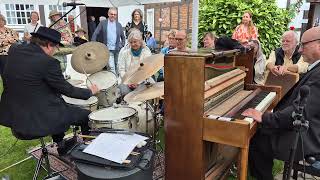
pixel 130 56
pixel 246 31
pixel 209 40
pixel 151 42
pixel 181 40
pixel 133 53
pixel 259 62
pixel 286 58
pixel 80 37
pixel 171 42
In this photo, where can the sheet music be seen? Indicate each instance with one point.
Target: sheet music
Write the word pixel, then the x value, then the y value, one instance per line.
pixel 114 147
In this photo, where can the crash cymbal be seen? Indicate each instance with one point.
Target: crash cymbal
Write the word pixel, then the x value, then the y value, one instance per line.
pixel 90 57
pixel 145 92
pixel 140 72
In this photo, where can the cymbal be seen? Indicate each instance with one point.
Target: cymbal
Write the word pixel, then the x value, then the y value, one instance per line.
pixel 140 72
pixel 144 92
pixel 90 57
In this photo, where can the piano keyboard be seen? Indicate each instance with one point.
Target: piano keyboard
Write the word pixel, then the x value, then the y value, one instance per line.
pixel 260 102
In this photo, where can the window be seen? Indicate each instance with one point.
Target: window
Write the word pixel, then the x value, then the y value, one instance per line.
pixel 60 9
pixel 18 14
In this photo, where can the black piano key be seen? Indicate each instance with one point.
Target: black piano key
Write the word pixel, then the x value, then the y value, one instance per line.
pixel 251 104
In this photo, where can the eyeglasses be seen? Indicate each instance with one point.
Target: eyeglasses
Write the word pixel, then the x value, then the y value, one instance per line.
pixel 179 39
pixel 305 43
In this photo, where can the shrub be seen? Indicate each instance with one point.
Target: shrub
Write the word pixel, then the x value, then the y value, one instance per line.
pixel 222 17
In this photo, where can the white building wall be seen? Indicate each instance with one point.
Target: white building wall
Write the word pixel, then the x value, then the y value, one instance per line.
pixel 298 20
pixel 124 13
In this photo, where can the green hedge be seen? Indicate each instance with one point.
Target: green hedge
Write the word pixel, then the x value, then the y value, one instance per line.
pixel 222 17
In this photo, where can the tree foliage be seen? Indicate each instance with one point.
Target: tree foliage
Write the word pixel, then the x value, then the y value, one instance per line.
pixel 222 17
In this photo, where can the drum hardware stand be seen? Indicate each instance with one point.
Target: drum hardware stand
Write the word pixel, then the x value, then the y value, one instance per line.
pixel 152 105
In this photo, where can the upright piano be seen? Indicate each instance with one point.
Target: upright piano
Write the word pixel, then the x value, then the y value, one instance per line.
pixel 203 106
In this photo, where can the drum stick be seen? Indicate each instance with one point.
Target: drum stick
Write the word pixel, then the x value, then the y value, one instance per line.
pixel 86 136
pixel 85 73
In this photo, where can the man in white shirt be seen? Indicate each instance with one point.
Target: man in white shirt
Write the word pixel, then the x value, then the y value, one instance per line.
pixel 33 26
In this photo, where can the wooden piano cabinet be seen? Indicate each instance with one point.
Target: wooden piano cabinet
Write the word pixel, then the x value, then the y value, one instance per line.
pixel 184 147
pixel 235 133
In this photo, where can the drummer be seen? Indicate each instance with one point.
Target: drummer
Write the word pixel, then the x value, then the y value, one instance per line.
pixel 132 55
pixel 31 102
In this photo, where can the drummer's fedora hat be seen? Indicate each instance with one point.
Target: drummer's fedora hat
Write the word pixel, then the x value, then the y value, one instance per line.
pixel 49 34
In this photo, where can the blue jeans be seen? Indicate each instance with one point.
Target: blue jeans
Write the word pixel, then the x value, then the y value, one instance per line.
pixel 113 63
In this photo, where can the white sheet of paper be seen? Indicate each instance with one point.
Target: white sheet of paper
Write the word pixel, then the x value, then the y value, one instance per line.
pixel 114 147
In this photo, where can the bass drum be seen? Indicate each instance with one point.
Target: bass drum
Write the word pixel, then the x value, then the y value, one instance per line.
pixel 141 109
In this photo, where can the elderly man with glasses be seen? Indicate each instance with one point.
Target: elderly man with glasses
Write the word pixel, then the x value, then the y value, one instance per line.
pixel 276 135
pixel 287 58
pixel 181 41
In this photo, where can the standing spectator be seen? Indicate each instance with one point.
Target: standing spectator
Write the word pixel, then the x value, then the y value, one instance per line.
pixel 91 26
pixel 72 25
pixel 151 42
pixel 7 38
pixel 137 23
pixel 246 31
pixel 112 36
pixel 33 26
pixel 209 40
pixel 62 27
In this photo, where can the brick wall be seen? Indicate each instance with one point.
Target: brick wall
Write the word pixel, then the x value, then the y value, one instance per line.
pixel 174 16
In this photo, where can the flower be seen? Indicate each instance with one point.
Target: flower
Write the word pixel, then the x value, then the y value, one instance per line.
pixel 291 28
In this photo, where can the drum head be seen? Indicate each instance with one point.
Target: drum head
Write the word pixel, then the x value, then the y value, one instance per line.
pixel 103 79
pixel 80 102
pixel 112 114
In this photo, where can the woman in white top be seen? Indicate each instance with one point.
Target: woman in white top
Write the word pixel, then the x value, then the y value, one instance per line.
pixel 132 54
pixel 33 26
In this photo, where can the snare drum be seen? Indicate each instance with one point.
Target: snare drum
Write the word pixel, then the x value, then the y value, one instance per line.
pixel 115 118
pixel 90 104
pixel 107 83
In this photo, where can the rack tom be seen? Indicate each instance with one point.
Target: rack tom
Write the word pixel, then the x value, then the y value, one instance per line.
pixel 89 104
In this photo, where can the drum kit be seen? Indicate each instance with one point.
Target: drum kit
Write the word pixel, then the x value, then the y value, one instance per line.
pixel 138 111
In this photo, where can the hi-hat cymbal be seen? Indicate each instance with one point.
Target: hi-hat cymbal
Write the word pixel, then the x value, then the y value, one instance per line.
pixel 90 57
pixel 148 67
pixel 145 92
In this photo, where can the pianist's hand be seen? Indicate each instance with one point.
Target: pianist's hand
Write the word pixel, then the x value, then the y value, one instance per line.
pixel 256 115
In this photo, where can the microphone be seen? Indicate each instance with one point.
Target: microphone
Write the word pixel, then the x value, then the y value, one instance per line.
pixel 72 4
pixel 304 93
pixel 299 105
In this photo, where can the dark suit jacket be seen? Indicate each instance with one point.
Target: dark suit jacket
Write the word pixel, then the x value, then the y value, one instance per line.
pixel 281 120
pixel 31 102
pixel 102 31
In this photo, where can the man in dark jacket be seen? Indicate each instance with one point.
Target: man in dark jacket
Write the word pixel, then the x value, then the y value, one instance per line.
pixel 31 103
pixel 275 137
pixel 112 36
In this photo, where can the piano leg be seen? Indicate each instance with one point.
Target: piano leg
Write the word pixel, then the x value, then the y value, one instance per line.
pixel 243 163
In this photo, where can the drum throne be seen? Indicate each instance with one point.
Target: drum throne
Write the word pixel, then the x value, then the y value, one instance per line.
pixel 43 161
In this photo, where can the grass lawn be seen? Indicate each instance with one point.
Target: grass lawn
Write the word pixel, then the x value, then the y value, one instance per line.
pixel 24 171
